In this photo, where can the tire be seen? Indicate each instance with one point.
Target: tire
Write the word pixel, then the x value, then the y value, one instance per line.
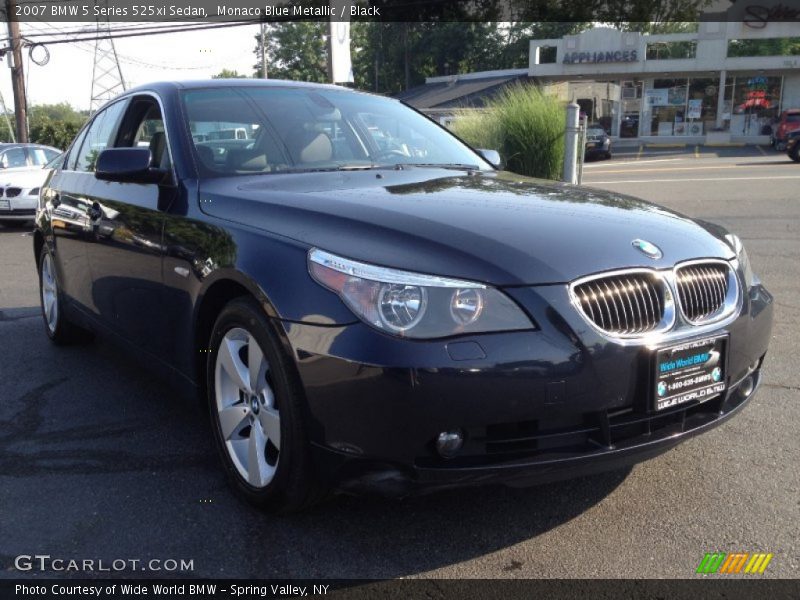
pixel 57 325
pixel 13 223
pixel 780 146
pixel 795 153
pixel 259 429
pixel 607 155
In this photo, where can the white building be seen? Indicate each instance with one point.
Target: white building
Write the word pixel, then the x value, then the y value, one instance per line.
pixel 636 88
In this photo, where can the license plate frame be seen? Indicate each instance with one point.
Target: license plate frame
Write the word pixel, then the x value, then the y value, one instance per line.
pixel 688 371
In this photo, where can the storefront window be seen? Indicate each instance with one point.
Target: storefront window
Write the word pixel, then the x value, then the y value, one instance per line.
pixel 667 103
pixel 754 105
pixel 701 106
pixel 631 106
pixel 681 106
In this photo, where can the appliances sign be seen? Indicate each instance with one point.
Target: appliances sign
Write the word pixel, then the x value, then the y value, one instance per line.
pixel 575 58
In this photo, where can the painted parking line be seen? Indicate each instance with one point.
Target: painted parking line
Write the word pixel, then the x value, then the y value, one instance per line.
pixel 629 162
pixel 705 168
pixel 683 179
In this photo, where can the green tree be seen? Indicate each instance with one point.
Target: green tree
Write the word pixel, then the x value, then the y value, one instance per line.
pixel 295 51
pixel 229 74
pixel 54 124
pixel 392 56
pixel 765 47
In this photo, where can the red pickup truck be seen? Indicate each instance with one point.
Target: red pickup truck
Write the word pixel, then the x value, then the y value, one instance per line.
pixel 788 121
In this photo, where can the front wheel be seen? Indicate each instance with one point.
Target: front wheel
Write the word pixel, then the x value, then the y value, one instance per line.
pixel 257 411
pixel 795 153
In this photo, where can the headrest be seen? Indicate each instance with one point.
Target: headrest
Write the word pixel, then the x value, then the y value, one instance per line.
pixel 318 149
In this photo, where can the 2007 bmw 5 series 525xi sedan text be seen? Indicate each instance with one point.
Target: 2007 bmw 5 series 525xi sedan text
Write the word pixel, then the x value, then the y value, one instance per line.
pixel 367 304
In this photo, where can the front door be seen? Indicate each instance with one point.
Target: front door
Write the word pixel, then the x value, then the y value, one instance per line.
pixel 126 255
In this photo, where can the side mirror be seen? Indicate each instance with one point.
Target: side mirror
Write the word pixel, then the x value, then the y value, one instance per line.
pixel 492 157
pixel 127 165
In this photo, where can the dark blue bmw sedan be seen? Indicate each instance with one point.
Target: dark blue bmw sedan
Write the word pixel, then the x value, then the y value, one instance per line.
pixel 365 303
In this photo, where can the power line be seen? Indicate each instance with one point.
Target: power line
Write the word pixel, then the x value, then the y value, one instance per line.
pixel 86 47
pixel 115 34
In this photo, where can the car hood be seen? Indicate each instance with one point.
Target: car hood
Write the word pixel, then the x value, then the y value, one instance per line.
pixel 23 177
pixel 497 228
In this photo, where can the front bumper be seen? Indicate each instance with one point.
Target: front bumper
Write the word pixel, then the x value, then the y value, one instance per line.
pixel 535 406
pixel 21 208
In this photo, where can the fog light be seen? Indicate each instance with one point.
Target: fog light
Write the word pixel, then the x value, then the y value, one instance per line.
pixel 746 387
pixel 449 443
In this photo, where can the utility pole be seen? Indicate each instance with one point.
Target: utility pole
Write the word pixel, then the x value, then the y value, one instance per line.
pixel 264 50
pixel 17 75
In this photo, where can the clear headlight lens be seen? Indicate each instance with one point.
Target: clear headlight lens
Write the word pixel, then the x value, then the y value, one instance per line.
pixel 415 305
pixel 744 260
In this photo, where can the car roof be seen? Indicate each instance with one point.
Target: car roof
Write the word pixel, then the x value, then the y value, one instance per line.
pixel 6 145
pixel 228 83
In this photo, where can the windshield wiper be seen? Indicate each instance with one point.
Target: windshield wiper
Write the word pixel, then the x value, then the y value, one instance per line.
pixel 451 166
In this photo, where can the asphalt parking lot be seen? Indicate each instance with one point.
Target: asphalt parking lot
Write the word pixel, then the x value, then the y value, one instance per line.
pixel 99 460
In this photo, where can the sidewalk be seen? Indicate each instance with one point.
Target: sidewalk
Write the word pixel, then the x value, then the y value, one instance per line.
pixel 641 148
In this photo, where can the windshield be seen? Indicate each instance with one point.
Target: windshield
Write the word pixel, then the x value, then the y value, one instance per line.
pixel 240 130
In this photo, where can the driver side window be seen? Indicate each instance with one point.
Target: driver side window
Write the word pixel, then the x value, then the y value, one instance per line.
pixel 143 127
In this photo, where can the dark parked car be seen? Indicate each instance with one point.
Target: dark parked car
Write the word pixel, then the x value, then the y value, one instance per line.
pixel 793 145
pixel 788 122
pixel 598 144
pixel 391 317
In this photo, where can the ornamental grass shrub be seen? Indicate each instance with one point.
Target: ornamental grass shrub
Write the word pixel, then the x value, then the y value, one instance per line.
pixel 524 124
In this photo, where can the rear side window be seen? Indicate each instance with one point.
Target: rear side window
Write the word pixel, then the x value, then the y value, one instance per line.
pixel 98 137
pixel 14 157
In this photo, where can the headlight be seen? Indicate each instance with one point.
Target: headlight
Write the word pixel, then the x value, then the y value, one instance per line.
pixel 414 305
pixel 744 260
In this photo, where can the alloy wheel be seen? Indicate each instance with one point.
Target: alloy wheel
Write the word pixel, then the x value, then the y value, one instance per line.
pixel 49 293
pixel 247 413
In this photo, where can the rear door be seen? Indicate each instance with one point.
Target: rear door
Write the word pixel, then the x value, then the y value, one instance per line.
pixel 68 205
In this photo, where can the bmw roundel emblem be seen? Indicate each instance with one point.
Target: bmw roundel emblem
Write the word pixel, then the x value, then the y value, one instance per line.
pixel 647 248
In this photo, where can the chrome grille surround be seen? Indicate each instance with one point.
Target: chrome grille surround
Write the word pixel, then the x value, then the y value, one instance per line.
pixel 627 304
pixel 707 290
pixel 674 322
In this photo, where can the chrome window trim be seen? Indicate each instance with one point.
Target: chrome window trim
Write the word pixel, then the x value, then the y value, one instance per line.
pixel 127 97
pixel 680 327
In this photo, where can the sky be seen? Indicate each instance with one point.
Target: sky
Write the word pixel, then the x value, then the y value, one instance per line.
pixel 170 56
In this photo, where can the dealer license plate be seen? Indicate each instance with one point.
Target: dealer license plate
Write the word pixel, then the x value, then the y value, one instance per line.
pixel 690 371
